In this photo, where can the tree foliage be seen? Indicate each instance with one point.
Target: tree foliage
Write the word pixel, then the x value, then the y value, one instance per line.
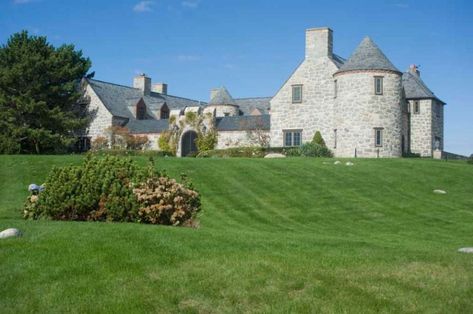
pixel 39 95
pixel 318 139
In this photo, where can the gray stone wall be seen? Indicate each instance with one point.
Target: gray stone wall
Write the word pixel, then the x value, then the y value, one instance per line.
pixel 358 111
pixel 101 117
pixel 315 112
pixel 437 123
pixel 222 111
pixel 229 139
pixel 421 128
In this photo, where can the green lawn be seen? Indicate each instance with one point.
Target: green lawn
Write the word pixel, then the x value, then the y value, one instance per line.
pixel 279 235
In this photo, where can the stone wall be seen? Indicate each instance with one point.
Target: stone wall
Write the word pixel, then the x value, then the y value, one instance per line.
pixel 315 113
pixel 101 117
pixel 437 123
pixel 223 110
pixel 229 139
pixel 358 111
pixel 421 128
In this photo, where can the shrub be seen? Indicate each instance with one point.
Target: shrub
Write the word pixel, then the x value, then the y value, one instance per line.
pixel 318 139
pixel 163 141
pixel 470 159
pixel 103 189
pixel 8 145
pixel 100 143
pixel 136 142
pixel 207 141
pixel 251 152
pixel 164 201
pixel 314 150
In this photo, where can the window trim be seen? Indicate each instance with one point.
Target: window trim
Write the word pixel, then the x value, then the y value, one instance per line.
pixel 380 79
pixel 292 132
pixel 292 94
pixel 416 105
pixel 381 137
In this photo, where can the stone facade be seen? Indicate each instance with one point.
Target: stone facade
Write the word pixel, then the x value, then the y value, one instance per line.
pixel 101 117
pixel 426 126
pixel 229 139
pixel 359 112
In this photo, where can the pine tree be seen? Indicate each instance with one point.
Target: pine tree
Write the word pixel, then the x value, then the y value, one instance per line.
pixel 39 95
pixel 318 139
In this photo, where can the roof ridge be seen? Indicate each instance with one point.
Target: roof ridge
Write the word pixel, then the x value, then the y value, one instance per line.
pixel 260 97
pixel 110 83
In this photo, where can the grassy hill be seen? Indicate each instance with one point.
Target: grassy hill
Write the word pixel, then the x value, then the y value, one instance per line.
pixel 281 235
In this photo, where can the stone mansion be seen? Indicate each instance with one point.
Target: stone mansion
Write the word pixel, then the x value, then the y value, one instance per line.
pixel 363 106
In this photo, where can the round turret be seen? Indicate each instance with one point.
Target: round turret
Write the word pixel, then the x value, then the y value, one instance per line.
pixel 368 107
pixel 222 103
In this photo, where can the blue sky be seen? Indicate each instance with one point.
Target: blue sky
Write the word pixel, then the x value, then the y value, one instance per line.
pixel 252 46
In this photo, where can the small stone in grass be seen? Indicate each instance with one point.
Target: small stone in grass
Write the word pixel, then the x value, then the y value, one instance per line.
pixel 349 163
pixel 440 192
pixel 9 233
pixel 337 162
pixel 466 250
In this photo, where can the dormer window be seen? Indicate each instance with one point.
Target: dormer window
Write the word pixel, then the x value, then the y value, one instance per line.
pixel 378 85
pixel 164 114
pixel 296 94
pixel 141 110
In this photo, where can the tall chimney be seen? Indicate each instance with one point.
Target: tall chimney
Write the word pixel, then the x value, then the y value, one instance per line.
pixel 318 43
pixel 143 83
pixel 414 69
pixel 161 88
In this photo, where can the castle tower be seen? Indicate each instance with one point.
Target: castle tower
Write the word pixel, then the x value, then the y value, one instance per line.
pixel 222 103
pixel 368 105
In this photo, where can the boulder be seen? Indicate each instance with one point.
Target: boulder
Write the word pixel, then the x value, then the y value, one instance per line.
pixel 10 233
pixel 337 162
pixel 349 163
pixel 275 155
pixel 440 192
pixel 466 250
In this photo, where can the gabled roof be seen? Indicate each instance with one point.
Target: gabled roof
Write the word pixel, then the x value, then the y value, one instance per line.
pixel 247 105
pixel 221 96
pixel 243 123
pixel 415 88
pixel 118 98
pixel 367 56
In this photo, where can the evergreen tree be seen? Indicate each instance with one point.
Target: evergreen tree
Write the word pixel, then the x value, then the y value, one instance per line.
pixel 39 95
pixel 318 139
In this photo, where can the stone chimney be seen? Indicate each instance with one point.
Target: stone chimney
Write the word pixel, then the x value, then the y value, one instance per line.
pixel 414 69
pixel 318 43
pixel 143 83
pixel 161 88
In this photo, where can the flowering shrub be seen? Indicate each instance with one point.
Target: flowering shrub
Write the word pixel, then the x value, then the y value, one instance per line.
pixel 113 189
pixel 164 201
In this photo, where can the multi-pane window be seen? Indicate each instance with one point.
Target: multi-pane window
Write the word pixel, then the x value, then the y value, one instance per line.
pixel 378 85
pixel 292 138
pixel 416 107
pixel 335 88
pixel 296 94
pixel 378 137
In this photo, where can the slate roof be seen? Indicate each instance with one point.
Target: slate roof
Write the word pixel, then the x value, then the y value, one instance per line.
pixel 222 97
pixel 247 105
pixel 339 61
pixel 242 123
pixel 118 98
pixel 367 56
pixel 415 88
pixel 147 126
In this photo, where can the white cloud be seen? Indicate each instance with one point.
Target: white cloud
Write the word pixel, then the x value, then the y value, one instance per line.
pixel 190 4
pixel 142 6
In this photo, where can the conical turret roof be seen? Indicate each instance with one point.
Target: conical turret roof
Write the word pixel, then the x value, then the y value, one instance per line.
pixel 221 96
pixel 367 56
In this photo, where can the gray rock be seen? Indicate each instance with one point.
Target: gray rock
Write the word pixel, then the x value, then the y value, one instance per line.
pixel 9 233
pixel 440 192
pixel 275 155
pixel 466 250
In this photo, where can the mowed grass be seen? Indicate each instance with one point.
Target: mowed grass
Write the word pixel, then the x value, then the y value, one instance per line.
pixel 280 235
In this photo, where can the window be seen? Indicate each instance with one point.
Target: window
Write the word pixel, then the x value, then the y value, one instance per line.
pixel 335 138
pixel 226 114
pixel 378 85
pixel 296 94
pixel 335 88
pixel 378 137
pixel 164 113
pixel 140 110
pixel 416 107
pixel 292 138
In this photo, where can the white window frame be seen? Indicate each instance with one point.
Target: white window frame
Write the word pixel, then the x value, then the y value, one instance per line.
pixel 292 135
pixel 378 134
pixel 381 88
pixel 294 87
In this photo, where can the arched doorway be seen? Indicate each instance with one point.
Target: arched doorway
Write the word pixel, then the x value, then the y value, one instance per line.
pixel 188 145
